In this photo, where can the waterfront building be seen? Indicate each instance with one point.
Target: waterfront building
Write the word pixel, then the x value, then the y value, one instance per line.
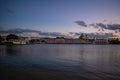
pixel 69 41
pixel 100 41
pixel 44 40
pixel 51 40
pixel 83 37
pixel 20 40
pixel 60 40
pixel 77 41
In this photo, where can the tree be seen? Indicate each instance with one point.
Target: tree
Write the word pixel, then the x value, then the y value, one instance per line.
pixel 11 37
pixel 114 41
pixel 1 38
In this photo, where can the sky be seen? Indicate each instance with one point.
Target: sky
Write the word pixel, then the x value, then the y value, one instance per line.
pixel 64 16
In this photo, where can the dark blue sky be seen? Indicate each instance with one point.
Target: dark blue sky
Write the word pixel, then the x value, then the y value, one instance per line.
pixel 57 15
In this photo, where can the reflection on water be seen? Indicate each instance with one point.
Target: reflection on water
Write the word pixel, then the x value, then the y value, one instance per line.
pixel 89 60
pixel 12 50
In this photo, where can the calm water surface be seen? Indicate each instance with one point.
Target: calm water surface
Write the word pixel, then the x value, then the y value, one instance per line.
pixel 89 61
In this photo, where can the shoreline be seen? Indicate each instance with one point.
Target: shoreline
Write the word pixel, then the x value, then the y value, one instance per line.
pixel 10 44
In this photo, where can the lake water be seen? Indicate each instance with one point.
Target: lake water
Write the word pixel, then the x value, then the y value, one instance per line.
pixel 60 62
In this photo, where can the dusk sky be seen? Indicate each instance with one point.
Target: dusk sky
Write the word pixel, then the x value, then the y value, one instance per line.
pixel 61 15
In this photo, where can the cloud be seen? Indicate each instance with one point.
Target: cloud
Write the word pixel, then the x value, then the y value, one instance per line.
pixel 53 34
pixel 108 26
pixel 17 31
pixel 113 26
pixel 95 35
pixel 101 25
pixel 81 23
pixel 33 33
pixel 94 25
pixel 7 10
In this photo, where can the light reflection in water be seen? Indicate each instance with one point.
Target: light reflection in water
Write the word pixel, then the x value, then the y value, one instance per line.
pixel 102 59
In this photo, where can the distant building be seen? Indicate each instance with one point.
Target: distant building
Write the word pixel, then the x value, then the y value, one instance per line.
pixel 60 40
pixel 83 37
pixel 35 41
pixel 69 41
pixel 20 40
pixel 100 41
pixel 77 41
pixel 51 40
